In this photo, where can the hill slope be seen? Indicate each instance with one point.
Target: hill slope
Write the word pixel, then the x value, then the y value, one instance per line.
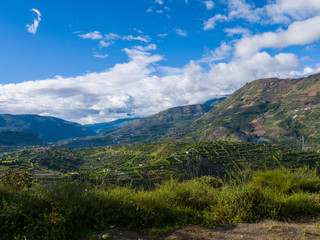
pixel 282 111
pixel 158 127
pixel 49 129
pixel 9 138
pixel 277 111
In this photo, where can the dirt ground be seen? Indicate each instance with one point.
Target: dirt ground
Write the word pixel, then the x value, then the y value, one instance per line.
pixel 303 229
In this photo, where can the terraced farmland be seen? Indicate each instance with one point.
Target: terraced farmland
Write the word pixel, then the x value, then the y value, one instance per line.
pixel 145 165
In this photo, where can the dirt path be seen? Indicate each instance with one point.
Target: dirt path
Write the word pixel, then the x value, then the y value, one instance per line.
pixel 264 230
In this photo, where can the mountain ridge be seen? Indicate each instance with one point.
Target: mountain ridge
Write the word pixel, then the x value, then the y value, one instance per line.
pixel 269 110
pixel 154 128
pixel 47 128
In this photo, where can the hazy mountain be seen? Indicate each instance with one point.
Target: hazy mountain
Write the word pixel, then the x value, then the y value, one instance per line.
pixel 49 129
pixel 9 138
pixel 108 126
pixel 158 127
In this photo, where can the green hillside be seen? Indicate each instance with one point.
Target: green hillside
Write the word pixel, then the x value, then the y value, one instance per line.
pixel 144 165
pixel 16 139
pixel 281 111
pixel 162 126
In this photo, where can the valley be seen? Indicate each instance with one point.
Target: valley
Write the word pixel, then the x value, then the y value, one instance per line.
pixel 250 156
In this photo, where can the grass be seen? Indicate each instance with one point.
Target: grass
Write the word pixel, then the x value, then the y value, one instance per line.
pixel 73 210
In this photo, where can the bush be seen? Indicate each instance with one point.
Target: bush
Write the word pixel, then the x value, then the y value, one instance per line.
pixel 72 210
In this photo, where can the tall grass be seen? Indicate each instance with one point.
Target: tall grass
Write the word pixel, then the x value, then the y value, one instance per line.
pixel 70 211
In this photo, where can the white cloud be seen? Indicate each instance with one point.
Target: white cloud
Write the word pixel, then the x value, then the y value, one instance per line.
pixel 95 35
pixel 134 88
pixel 240 9
pixel 34 27
pixel 112 36
pixel 104 43
pixel 137 38
pixel 97 55
pixel 234 74
pixel 298 33
pixel 209 4
pixel 115 92
pixel 220 53
pixel 162 35
pixel 109 39
pixel 211 22
pixel 305 72
pixel 138 30
pixel 237 30
pixel 159 1
pixel 181 32
pixel 147 48
pixel 282 11
pixel 274 12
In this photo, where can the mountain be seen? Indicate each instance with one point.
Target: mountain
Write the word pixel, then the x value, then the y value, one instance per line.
pixel 109 126
pixel 9 138
pixel 215 101
pixel 49 129
pixel 158 127
pixel 278 111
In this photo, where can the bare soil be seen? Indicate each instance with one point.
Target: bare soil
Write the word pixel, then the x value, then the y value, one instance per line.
pixel 303 229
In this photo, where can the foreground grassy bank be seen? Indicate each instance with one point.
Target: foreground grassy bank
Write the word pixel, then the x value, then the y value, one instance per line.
pixel 71 211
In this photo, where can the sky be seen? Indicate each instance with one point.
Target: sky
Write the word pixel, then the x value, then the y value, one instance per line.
pixel 101 60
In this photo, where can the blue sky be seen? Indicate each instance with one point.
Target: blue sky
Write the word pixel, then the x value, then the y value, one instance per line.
pixel 95 61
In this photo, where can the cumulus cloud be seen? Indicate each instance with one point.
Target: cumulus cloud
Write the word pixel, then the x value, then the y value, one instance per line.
pixel 240 9
pixel 209 4
pixel 298 33
pixel 181 32
pixel 134 88
pixel 34 27
pixel 159 1
pixel 220 53
pixel 284 11
pixel 237 31
pixel 275 12
pixel 211 22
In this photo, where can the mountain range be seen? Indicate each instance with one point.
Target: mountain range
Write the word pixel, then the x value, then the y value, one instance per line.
pixel 158 127
pixel 272 110
pixel 276 111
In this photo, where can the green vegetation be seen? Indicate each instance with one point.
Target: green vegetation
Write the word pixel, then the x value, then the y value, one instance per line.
pixel 71 193
pixel 146 165
pixel 74 210
pixel 166 125
pixel 278 111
